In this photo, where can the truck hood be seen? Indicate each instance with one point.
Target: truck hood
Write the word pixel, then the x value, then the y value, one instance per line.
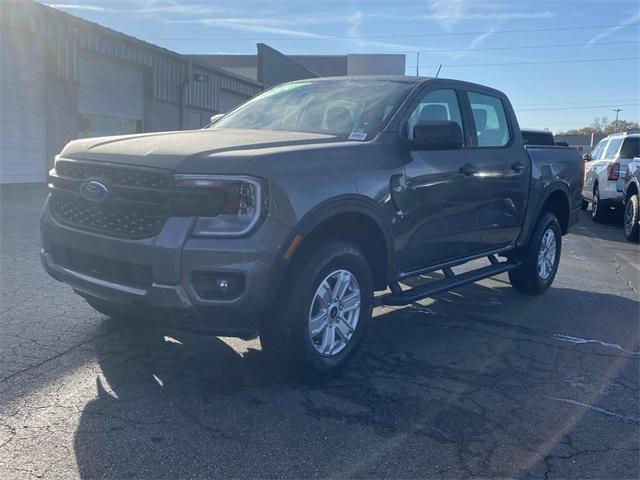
pixel 204 151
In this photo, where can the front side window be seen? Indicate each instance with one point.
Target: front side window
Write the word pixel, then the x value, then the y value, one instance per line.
pixel 435 105
pixel 597 151
pixel 350 109
pixel 492 128
pixel 612 149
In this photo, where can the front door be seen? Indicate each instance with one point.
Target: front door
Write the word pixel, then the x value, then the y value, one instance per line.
pixel 440 193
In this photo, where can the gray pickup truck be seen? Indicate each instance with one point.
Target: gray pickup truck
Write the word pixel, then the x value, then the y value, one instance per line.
pixel 283 217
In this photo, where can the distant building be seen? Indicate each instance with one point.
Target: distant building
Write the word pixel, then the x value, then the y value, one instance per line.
pixel 582 143
pixel 270 67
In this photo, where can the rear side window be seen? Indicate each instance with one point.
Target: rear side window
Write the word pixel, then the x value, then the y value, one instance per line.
pixel 630 147
pixel 492 128
pixel 436 105
pixel 612 149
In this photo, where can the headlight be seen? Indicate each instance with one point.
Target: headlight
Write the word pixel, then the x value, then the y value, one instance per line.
pixel 237 203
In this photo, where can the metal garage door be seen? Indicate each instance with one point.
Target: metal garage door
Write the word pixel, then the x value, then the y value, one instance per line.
pixel 110 97
pixel 23 136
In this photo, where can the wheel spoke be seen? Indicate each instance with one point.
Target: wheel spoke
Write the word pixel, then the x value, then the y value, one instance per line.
pixel 343 329
pixel 342 283
pixel 318 323
pixel 324 294
pixel 351 302
pixel 328 339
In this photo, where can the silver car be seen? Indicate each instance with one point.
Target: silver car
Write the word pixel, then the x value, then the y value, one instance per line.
pixel 605 171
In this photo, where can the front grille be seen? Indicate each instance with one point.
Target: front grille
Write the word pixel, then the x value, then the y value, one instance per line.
pixel 137 207
pixel 117 271
pixel 125 222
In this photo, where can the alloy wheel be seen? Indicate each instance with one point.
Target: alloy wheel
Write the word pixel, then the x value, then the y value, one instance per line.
pixel 334 313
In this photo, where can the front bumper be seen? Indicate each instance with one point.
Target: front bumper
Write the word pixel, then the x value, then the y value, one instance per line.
pixel 171 259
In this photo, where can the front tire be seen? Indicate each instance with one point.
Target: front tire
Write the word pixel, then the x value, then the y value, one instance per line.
pixel 322 312
pixel 584 205
pixel 631 219
pixel 540 258
pixel 598 211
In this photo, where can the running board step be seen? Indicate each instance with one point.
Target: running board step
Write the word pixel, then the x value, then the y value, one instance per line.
pixel 398 297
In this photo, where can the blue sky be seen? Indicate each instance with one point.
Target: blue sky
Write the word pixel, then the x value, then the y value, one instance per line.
pixel 591 70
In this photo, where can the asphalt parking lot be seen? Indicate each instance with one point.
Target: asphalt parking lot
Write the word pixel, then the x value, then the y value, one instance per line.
pixel 479 382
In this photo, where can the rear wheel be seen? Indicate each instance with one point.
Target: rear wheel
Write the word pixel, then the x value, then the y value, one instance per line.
pixel 584 205
pixel 540 258
pixel 322 312
pixel 631 219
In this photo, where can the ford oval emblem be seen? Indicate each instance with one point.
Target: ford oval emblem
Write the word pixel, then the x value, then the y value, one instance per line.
pixel 94 191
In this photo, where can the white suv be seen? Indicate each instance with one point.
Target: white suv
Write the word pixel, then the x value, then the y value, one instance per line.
pixel 605 171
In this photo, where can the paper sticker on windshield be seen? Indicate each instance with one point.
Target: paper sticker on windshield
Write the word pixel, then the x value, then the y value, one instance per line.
pixel 361 136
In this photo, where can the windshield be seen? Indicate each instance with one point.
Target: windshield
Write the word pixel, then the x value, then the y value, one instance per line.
pixel 352 109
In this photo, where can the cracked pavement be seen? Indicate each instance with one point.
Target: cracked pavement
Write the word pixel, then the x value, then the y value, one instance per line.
pixel 479 382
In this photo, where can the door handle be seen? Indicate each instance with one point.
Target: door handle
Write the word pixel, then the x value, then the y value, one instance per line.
pixel 467 170
pixel 518 166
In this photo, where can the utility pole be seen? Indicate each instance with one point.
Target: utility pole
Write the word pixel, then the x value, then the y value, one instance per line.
pixel 417 64
pixel 617 110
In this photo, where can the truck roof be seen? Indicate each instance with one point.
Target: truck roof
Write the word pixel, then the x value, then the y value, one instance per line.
pixel 405 79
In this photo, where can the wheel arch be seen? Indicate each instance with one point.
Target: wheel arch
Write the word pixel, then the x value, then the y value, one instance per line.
pixel 356 218
pixel 632 189
pixel 557 200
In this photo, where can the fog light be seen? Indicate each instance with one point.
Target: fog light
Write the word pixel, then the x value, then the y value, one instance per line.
pixel 222 284
pixel 218 285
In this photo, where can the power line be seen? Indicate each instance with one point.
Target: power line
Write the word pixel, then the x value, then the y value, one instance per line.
pixel 575 108
pixel 575 103
pixel 520 47
pixel 542 62
pixel 366 37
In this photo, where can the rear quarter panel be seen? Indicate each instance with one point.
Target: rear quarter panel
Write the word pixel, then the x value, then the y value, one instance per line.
pixel 552 169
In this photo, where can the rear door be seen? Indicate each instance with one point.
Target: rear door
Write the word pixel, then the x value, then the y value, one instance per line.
pixel 439 218
pixel 504 170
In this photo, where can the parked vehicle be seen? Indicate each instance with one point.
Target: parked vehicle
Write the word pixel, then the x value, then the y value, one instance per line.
pixel 537 137
pixel 632 201
pixel 605 172
pixel 284 216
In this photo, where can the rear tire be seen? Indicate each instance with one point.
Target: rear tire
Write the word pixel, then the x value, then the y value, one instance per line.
pixel 540 258
pixel 584 205
pixel 322 312
pixel 598 211
pixel 631 219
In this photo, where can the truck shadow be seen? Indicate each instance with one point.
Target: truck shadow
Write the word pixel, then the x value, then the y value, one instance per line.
pixel 478 382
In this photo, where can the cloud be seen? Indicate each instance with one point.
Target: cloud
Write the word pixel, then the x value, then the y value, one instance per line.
pixel 476 42
pixel 76 6
pixel 447 13
pixel 251 25
pixel 595 39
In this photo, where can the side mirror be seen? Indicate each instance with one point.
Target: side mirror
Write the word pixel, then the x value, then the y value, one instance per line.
pixel 216 117
pixel 586 157
pixel 436 135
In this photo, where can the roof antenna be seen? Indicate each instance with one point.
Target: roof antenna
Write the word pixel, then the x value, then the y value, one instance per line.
pixel 438 72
